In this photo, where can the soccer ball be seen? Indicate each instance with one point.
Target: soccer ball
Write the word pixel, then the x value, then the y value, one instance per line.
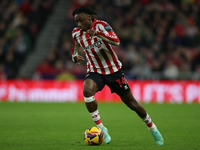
pixel 93 136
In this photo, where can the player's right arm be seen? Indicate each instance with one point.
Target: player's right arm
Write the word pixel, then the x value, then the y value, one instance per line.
pixel 75 56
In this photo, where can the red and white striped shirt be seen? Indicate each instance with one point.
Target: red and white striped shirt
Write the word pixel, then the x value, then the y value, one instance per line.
pixel 100 56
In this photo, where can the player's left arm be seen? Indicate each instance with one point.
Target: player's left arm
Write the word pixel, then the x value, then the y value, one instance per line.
pixel 106 33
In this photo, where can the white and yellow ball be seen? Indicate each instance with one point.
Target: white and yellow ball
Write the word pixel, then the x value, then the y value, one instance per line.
pixel 93 136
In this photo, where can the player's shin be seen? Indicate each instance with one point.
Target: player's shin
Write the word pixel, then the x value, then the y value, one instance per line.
pixel 96 118
pixel 91 105
pixel 147 120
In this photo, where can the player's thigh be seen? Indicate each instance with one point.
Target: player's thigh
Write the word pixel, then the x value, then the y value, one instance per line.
pixel 93 82
pixel 118 84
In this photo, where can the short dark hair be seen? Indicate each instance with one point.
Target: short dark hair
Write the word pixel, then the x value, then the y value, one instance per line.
pixel 84 9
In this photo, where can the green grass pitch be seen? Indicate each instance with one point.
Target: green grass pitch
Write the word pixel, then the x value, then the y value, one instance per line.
pixel 60 126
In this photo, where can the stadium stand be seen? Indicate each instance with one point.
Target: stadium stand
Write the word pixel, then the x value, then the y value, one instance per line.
pixel 159 40
pixel 20 23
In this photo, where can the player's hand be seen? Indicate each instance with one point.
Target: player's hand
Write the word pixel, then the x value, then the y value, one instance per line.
pixel 77 59
pixel 91 32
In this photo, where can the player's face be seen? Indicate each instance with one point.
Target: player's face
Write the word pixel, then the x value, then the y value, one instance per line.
pixel 83 21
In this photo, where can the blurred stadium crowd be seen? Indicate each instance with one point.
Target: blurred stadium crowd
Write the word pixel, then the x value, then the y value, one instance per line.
pixel 20 24
pixel 159 39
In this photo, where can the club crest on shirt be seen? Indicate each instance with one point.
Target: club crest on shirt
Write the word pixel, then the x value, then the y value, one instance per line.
pixel 87 36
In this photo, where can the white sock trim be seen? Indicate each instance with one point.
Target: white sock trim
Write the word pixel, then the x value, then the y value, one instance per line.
pixel 152 128
pixel 89 99
pixel 100 126
pixel 145 118
pixel 95 115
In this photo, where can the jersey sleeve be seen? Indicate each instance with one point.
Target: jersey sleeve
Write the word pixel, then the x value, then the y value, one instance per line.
pixel 74 47
pixel 107 34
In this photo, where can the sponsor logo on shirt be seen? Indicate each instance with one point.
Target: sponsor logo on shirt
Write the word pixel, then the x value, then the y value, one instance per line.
pixel 96 44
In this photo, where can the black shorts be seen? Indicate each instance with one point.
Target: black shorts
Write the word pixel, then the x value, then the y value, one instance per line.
pixel 115 81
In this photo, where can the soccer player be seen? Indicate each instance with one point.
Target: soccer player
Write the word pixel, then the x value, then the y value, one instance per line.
pixel 103 68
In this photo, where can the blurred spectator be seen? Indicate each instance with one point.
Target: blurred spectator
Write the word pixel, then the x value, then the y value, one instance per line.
pixel 25 7
pixel 3 75
pixel 10 65
pixel 171 70
pixel 197 73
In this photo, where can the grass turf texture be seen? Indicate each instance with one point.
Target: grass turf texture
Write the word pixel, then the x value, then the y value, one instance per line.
pixel 61 126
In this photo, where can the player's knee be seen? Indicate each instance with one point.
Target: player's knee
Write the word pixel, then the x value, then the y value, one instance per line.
pixel 88 92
